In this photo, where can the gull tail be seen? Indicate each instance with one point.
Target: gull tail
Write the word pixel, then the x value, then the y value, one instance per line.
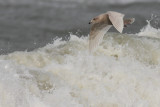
pixel 128 21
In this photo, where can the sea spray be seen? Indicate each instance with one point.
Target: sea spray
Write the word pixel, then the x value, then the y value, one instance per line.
pixel 123 71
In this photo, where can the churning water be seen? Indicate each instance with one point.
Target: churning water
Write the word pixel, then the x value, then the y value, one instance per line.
pixel 124 71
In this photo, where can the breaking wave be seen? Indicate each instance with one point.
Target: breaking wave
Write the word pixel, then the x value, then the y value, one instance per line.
pixel 123 71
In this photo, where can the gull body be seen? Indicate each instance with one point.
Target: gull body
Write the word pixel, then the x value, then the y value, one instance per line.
pixel 102 23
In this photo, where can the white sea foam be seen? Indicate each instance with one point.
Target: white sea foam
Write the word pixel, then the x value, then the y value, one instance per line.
pixel 149 31
pixel 123 72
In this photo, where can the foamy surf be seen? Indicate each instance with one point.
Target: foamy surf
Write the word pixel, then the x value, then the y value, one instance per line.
pixel 149 31
pixel 123 72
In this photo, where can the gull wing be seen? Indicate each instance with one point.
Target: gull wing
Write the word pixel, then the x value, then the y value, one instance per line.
pixel 117 20
pixel 96 37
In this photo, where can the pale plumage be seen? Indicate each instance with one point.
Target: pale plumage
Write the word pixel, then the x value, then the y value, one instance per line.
pixel 102 23
pixel 117 20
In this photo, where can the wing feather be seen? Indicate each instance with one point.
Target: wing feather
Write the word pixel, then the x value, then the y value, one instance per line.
pixel 117 20
pixel 96 37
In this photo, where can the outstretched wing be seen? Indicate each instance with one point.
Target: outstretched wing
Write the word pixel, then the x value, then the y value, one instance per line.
pixel 96 37
pixel 117 20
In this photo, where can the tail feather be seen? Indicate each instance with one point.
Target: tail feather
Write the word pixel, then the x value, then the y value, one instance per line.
pixel 128 21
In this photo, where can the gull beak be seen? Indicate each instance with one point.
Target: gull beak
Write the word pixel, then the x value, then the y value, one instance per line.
pixel 90 22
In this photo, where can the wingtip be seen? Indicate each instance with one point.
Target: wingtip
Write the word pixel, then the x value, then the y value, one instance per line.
pixel 120 31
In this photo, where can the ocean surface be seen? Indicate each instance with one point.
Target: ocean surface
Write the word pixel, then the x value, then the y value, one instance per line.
pixel 44 59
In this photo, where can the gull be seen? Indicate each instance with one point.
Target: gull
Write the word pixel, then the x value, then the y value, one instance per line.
pixel 102 23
